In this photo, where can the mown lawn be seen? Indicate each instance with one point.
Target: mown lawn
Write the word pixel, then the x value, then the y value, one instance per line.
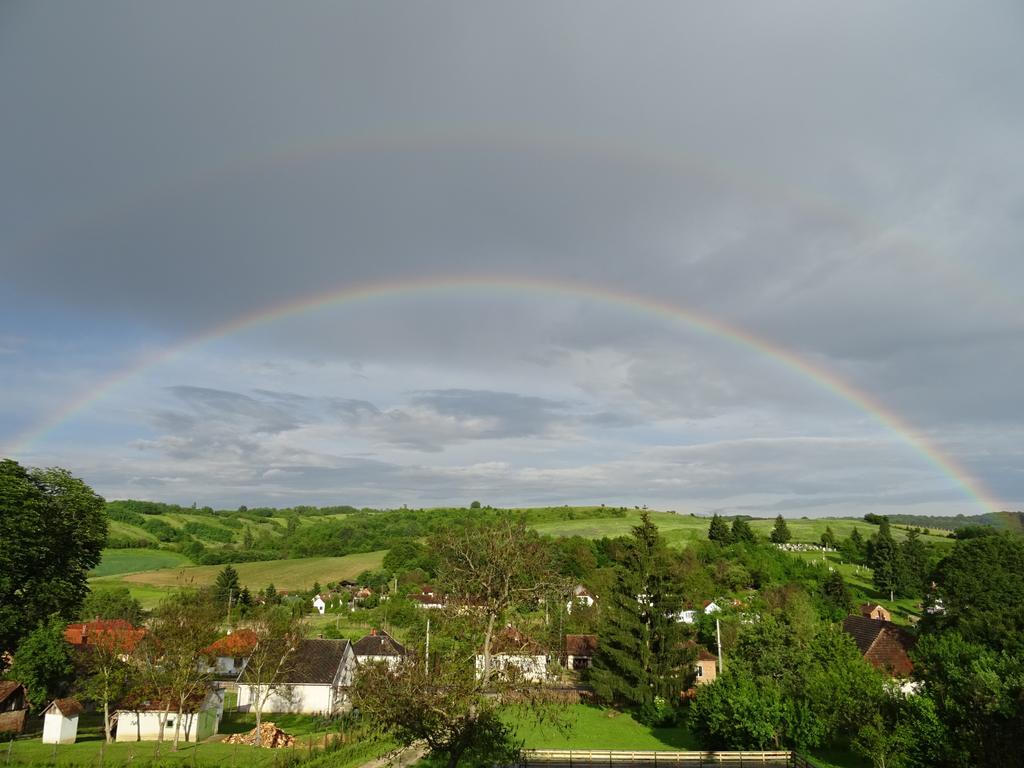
pixel 585 727
pixel 90 749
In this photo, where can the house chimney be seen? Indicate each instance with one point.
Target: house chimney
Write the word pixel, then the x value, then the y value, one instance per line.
pixel 373 633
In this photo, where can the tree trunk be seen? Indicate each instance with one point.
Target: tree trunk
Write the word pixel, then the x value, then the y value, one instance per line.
pixel 106 719
pixel 177 727
pixel 259 709
pixel 487 650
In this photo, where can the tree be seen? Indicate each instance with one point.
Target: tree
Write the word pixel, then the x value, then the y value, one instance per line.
pixel 278 632
pixel 853 548
pixel 494 568
pixel 736 712
pixel 173 660
pixel 884 560
pixel 443 707
pixel 52 531
pixel 106 671
pixel 828 539
pixel 780 533
pixel 270 595
pixel 247 538
pixel 981 584
pixel 227 586
pixel 42 663
pixel 837 595
pixel 112 603
pixel 719 530
pixel 474 505
pixel 641 660
pixel 742 532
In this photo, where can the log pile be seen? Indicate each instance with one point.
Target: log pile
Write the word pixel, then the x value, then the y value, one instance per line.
pixel 267 735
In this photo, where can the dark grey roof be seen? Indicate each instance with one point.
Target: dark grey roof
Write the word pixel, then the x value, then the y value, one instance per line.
pixel 379 644
pixel 315 662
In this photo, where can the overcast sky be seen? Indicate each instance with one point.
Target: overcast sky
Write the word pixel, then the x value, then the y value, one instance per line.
pixel 842 181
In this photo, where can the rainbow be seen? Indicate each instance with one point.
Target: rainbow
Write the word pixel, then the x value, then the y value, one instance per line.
pixel 702 323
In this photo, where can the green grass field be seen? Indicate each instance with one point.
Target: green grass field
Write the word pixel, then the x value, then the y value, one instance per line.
pixel 586 727
pixel 294 574
pixel 119 561
pixel 90 750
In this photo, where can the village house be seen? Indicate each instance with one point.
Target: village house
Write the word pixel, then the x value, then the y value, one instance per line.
pixel 706 666
pixel 140 721
pixel 882 644
pixel 579 651
pixel 13 706
pixel 426 598
pixel 60 721
pixel 230 654
pixel 515 654
pixel 379 647
pixel 109 633
pixel 875 611
pixel 689 615
pixel 319 605
pixel 315 680
pixel 582 597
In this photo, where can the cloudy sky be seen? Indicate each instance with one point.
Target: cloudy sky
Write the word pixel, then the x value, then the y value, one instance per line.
pixel 727 256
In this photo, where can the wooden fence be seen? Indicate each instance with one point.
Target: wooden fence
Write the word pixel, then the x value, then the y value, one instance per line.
pixel 585 757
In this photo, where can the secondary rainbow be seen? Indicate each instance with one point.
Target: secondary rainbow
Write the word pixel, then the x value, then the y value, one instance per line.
pixel 698 321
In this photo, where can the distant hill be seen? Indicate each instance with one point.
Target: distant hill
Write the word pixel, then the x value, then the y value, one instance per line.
pixel 1003 521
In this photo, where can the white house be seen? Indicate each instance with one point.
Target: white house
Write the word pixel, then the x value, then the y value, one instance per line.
pixel 379 647
pixel 514 654
pixel 582 597
pixel 228 656
pixel 199 721
pixel 319 604
pixel 315 680
pixel 60 721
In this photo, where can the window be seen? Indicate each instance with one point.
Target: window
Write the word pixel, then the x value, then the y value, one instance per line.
pixel 700 671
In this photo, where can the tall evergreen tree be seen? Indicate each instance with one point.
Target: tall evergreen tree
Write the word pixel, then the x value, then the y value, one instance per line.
pixel 741 531
pixel 719 530
pixel 837 595
pixel 884 559
pixel 641 661
pixel 912 576
pixel 227 587
pixel 828 538
pixel 780 533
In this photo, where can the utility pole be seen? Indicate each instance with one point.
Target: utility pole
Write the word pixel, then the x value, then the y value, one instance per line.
pixel 230 591
pixel 718 635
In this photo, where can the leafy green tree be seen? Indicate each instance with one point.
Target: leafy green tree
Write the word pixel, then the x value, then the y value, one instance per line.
pixel 719 530
pixel 43 663
pixel 247 538
pixel 981 584
pixel 641 658
pixel 912 566
pixel 780 532
pixel 828 538
pixel 52 531
pixel 112 603
pixel 106 671
pixel 737 712
pixel 741 531
pixel 270 595
pixel 443 707
pixel 474 505
pixel 979 697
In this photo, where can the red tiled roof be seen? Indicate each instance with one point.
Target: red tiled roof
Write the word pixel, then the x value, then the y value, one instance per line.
pixel 238 643
pixel 66 707
pixel 883 644
pixel 8 688
pixel 510 641
pixel 118 633
pixel 580 645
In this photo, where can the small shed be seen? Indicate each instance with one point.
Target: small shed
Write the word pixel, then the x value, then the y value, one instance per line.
pixel 60 721
pixel 13 706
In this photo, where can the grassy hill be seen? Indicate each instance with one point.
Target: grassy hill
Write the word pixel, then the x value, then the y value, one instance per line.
pixel 118 561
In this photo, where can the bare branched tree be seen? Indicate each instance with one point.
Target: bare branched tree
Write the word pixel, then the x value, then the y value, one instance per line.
pixel 278 632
